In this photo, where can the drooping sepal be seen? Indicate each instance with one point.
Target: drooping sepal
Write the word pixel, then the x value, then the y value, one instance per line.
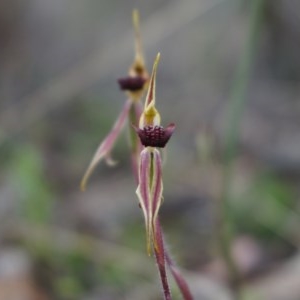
pixel 104 149
pixel 143 193
pixel 150 191
pixel 156 191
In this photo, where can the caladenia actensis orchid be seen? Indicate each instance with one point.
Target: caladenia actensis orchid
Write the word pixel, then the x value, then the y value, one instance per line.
pixel 152 136
pixel 135 84
pixel 147 136
pixel 150 185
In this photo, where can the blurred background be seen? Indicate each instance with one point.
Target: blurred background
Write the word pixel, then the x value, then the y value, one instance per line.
pixel 228 78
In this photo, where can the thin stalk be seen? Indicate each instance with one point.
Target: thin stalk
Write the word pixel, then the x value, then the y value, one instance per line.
pixel 160 253
pixel 164 259
pixel 236 107
pixel 179 279
pixel 136 147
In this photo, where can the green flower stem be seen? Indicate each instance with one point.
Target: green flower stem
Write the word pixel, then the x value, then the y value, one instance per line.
pixel 236 107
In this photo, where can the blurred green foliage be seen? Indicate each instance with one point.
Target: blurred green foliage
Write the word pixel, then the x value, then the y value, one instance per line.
pixel 264 207
pixel 33 191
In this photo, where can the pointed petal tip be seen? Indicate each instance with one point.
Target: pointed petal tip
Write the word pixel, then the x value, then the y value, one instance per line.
pixel 135 18
pixel 89 172
pixel 87 175
pixel 170 129
pixel 150 98
pixel 83 183
pixel 157 59
pixel 155 64
pixel 171 125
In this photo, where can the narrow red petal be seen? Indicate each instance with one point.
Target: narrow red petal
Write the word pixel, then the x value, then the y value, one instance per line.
pixel 143 192
pixel 157 186
pixel 106 146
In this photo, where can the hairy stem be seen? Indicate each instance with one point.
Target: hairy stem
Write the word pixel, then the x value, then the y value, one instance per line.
pixel 179 279
pixel 159 251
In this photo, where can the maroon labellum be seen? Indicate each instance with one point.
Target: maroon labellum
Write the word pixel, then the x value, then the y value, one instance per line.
pixel 155 136
pixel 131 83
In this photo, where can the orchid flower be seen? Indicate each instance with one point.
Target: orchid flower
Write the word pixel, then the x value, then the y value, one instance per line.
pixel 134 85
pixel 152 136
pixel 150 189
pixel 147 136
